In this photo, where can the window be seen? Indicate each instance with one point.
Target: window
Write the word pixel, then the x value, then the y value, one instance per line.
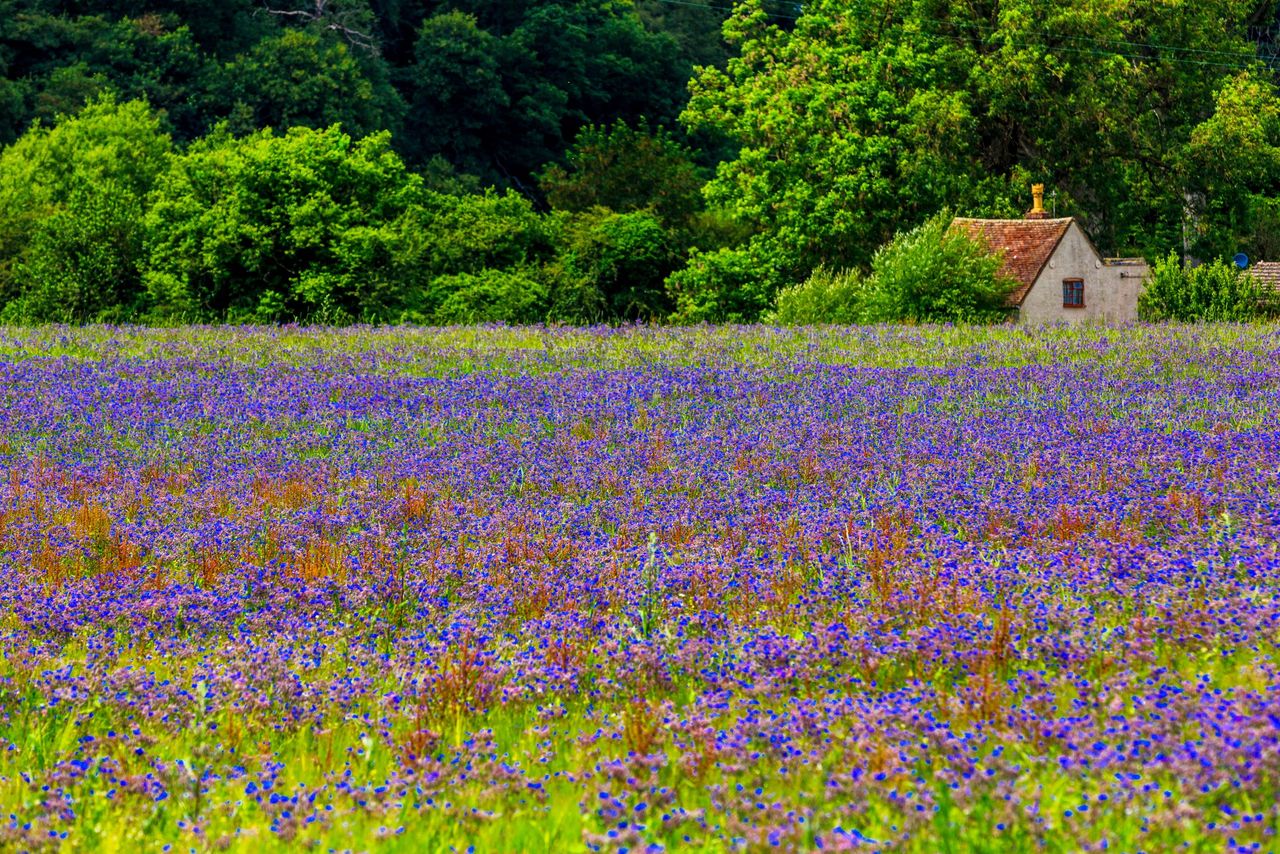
pixel 1073 293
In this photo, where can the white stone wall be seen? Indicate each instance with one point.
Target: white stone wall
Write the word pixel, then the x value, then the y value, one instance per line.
pixel 1110 290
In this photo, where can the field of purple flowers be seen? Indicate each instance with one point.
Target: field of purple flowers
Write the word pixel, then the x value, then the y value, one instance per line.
pixel 547 590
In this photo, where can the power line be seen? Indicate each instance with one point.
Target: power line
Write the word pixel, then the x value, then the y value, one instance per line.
pixel 1112 44
pixel 993 28
pixel 1111 48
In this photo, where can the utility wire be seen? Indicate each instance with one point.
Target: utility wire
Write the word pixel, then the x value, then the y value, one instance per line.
pixel 995 29
pixel 1109 48
pixel 1241 65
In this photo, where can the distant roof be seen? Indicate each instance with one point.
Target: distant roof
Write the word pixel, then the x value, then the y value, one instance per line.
pixel 1268 273
pixel 1025 244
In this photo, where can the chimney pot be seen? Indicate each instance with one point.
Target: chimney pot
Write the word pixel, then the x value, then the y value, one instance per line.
pixel 1037 202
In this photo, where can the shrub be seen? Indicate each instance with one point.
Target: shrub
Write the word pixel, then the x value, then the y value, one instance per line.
pixel 729 285
pixel 493 230
pixel 310 226
pixel 490 296
pixel 1212 292
pixel 611 266
pixel 825 297
pixel 933 275
pixel 71 212
pixel 83 259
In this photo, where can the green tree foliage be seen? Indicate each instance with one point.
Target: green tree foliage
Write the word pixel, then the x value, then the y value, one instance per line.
pixel 498 88
pixel 724 285
pixel 460 97
pixel 490 296
pixel 196 63
pixel 931 274
pixel 1211 292
pixel 307 225
pixel 486 74
pixel 43 54
pixel 1235 153
pixel 836 124
pixel 64 62
pixel 626 169
pixel 696 29
pixel 844 133
pixel 485 259
pixel 491 230
pixel 144 59
pixel 636 210
pixel 13 100
pixel 222 30
pixel 300 79
pixel 67 89
pixel 83 260
pixel 612 267
pixel 865 117
pixel 1132 81
pixel 71 202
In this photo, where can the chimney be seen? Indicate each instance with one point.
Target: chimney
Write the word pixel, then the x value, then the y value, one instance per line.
pixel 1037 202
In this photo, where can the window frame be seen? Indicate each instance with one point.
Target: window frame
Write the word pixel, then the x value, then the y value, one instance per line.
pixel 1073 287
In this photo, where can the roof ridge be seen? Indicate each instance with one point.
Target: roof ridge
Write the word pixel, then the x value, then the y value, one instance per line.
pixel 1048 219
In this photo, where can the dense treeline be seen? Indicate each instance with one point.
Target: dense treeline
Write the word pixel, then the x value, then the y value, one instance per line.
pixel 607 160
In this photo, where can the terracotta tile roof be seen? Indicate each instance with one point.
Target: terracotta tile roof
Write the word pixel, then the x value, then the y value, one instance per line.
pixel 1268 273
pixel 1025 244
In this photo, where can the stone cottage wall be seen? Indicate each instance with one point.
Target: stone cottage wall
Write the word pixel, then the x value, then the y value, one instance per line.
pixel 1110 290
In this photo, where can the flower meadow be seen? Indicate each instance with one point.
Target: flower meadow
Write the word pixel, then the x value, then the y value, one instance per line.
pixel 921 589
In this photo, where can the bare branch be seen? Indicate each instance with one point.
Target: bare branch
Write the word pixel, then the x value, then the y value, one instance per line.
pixel 335 17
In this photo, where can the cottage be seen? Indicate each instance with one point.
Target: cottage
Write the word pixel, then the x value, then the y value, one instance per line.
pixel 1060 274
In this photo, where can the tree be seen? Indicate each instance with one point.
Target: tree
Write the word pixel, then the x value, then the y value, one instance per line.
pixel 1235 154
pixel 490 230
pixel 1134 84
pixel 71 201
pixel 498 87
pixel 307 225
pixel 67 89
pixel 301 79
pixel 695 28
pixel 626 169
pixel 350 20
pixel 145 59
pixel 64 62
pixel 485 258
pixel 611 267
pixel 487 74
pixel 83 258
pixel 222 30
pixel 13 107
pixel 845 133
pixel 867 117
pixel 459 95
